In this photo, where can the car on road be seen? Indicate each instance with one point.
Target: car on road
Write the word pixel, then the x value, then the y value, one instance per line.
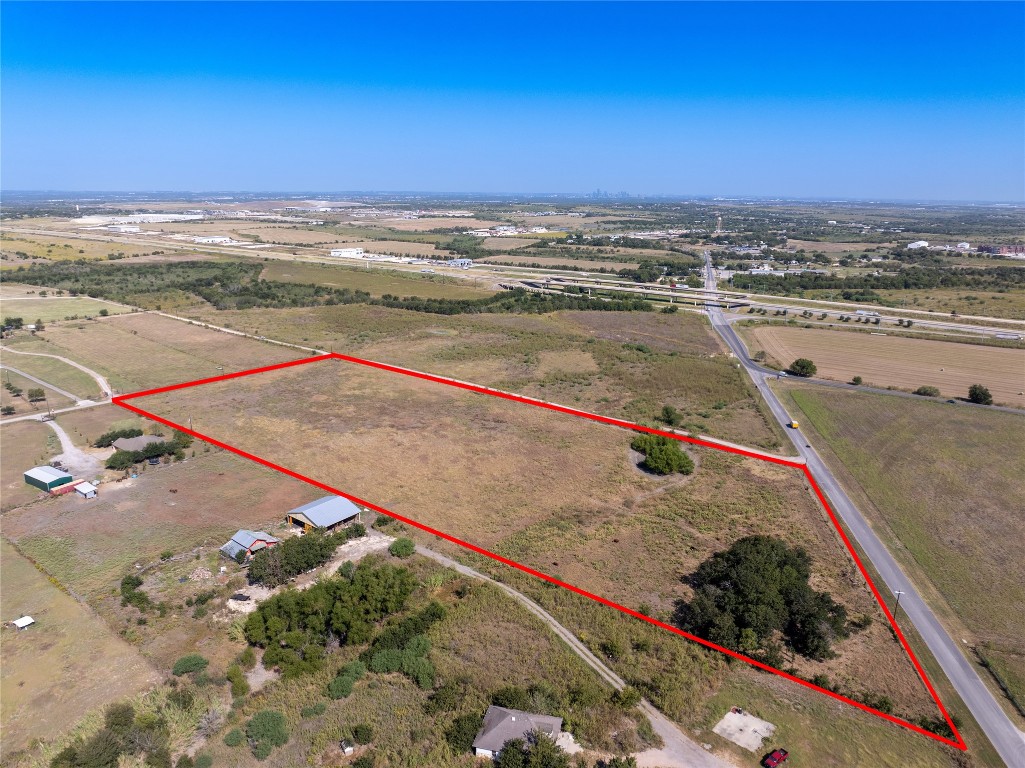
pixel 775 758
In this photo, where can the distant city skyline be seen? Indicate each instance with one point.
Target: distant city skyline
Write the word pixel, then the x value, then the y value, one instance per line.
pixel 850 101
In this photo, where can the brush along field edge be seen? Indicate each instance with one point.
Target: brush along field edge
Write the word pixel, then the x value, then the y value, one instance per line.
pixel 959 743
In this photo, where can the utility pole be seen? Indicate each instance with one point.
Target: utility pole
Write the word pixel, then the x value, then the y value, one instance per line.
pixel 896 605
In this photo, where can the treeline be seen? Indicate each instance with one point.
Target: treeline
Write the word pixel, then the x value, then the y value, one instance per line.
pixel 295 627
pixel 107 438
pixel 909 278
pixel 746 596
pixel 276 565
pixel 236 285
pixel 176 446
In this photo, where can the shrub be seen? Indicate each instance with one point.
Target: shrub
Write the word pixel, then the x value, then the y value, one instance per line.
pixel 927 391
pixel 626 699
pixel 237 678
pixel 193 662
pixel 463 731
pixel 802 366
pixel 364 761
pixel 857 381
pixel 247 659
pixel 204 761
pixel 185 762
pixel 234 737
pixel 662 455
pixel 340 687
pixel 314 711
pixel 363 733
pixel 166 554
pixel 979 394
pixel 402 547
pixel 266 730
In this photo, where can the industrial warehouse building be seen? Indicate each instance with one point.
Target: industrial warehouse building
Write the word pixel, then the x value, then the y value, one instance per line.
pixel 47 478
pixel 347 253
pixel 324 514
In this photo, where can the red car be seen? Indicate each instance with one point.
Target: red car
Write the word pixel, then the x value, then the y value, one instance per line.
pixel 777 758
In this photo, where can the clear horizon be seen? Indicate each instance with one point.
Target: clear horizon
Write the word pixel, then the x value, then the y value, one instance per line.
pixel 859 102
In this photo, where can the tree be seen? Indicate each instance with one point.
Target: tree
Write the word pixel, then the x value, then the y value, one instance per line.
pixel 856 381
pixel 6 410
pixel 402 547
pixel 662 455
pixel 979 394
pixel 363 733
pixel 40 326
pixel 463 731
pixel 927 391
pixel 13 322
pixel 670 415
pixel 802 366
pixel 267 729
pixel 35 394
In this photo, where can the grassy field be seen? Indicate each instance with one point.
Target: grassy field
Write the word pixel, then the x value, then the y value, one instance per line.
pixel 60 308
pixel 376 281
pixel 24 444
pixel 1009 304
pixel 885 361
pixel 66 248
pixel 640 361
pixel 555 262
pixel 140 351
pixel 50 370
pixel 89 545
pixel 21 404
pixel 86 425
pixel 944 485
pixel 504 476
pixel 64 665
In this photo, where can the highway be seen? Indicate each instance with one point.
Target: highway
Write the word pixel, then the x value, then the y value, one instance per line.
pixel 1008 741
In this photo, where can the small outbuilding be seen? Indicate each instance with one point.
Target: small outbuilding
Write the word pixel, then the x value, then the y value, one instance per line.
pixel 249 542
pixel 324 514
pixel 502 725
pixel 23 622
pixel 86 490
pixel 47 478
pixel 136 443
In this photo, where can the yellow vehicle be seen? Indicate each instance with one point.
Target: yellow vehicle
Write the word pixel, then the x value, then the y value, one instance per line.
pixel 793 424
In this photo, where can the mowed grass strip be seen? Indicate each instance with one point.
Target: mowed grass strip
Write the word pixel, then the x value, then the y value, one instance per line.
pixel 947 482
pixel 66 664
pixel 141 351
pixel 377 281
pixel 890 361
pixel 49 369
pixel 22 406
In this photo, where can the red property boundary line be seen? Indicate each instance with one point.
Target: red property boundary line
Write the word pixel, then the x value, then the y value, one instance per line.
pixel 959 743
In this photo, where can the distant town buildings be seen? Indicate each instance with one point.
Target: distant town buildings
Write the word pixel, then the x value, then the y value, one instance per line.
pixel 347 253
pixel 918 244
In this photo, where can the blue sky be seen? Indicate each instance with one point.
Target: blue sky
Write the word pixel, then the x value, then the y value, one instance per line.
pixel 838 100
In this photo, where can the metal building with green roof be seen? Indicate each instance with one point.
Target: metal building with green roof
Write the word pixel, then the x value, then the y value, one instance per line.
pixel 47 478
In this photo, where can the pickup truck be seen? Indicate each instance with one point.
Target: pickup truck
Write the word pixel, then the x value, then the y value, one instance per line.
pixel 776 758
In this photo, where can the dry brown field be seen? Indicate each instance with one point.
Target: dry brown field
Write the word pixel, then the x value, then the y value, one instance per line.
pixel 556 492
pixel 140 351
pixel 66 664
pixel 556 262
pixel 377 281
pixel 427 224
pixel 15 290
pixel 890 361
pixel 392 247
pixel 505 243
pixel 65 248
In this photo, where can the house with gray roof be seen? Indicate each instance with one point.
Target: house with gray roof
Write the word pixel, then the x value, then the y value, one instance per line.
pixel 136 443
pixel 502 725
pixel 249 542
pixel 324 514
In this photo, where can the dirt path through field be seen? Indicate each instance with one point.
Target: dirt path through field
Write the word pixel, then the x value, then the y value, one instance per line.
pixel 77 461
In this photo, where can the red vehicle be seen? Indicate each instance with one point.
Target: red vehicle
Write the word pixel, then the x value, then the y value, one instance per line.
pixel 777 758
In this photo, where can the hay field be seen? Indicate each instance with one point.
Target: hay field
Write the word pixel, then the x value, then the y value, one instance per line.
pixel 946 484
pixel 377 281
pixel 24 444
pixel 140 351
pixel 559 493
pixel 65 665
pixel 891 361
pixel 88 545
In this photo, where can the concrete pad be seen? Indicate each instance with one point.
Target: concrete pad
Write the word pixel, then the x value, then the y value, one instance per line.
pixel 744 729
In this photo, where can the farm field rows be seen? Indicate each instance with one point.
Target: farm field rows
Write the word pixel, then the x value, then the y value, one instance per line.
pixel 884 361
pixel 945 486
pixel 65 665
pixel 141 350
pixel 504 476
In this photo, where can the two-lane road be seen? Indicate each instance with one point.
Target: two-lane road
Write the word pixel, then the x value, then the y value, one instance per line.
pixel 1008 741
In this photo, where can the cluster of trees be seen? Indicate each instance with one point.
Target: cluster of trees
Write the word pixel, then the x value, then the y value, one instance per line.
pixel 802 366
pixel 908 278
pixel 275 565
pixel 662 455
pixel 296 627
pixel 107 438
pixel 237 285
pixel 176 446
pixel 403 647
pixel 757 590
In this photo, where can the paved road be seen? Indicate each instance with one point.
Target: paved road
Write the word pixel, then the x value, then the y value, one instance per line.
pixel 679 750
pixel 1006 738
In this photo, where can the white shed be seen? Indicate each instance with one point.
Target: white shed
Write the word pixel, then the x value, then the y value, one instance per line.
pixel 86 490
pixel 23 622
